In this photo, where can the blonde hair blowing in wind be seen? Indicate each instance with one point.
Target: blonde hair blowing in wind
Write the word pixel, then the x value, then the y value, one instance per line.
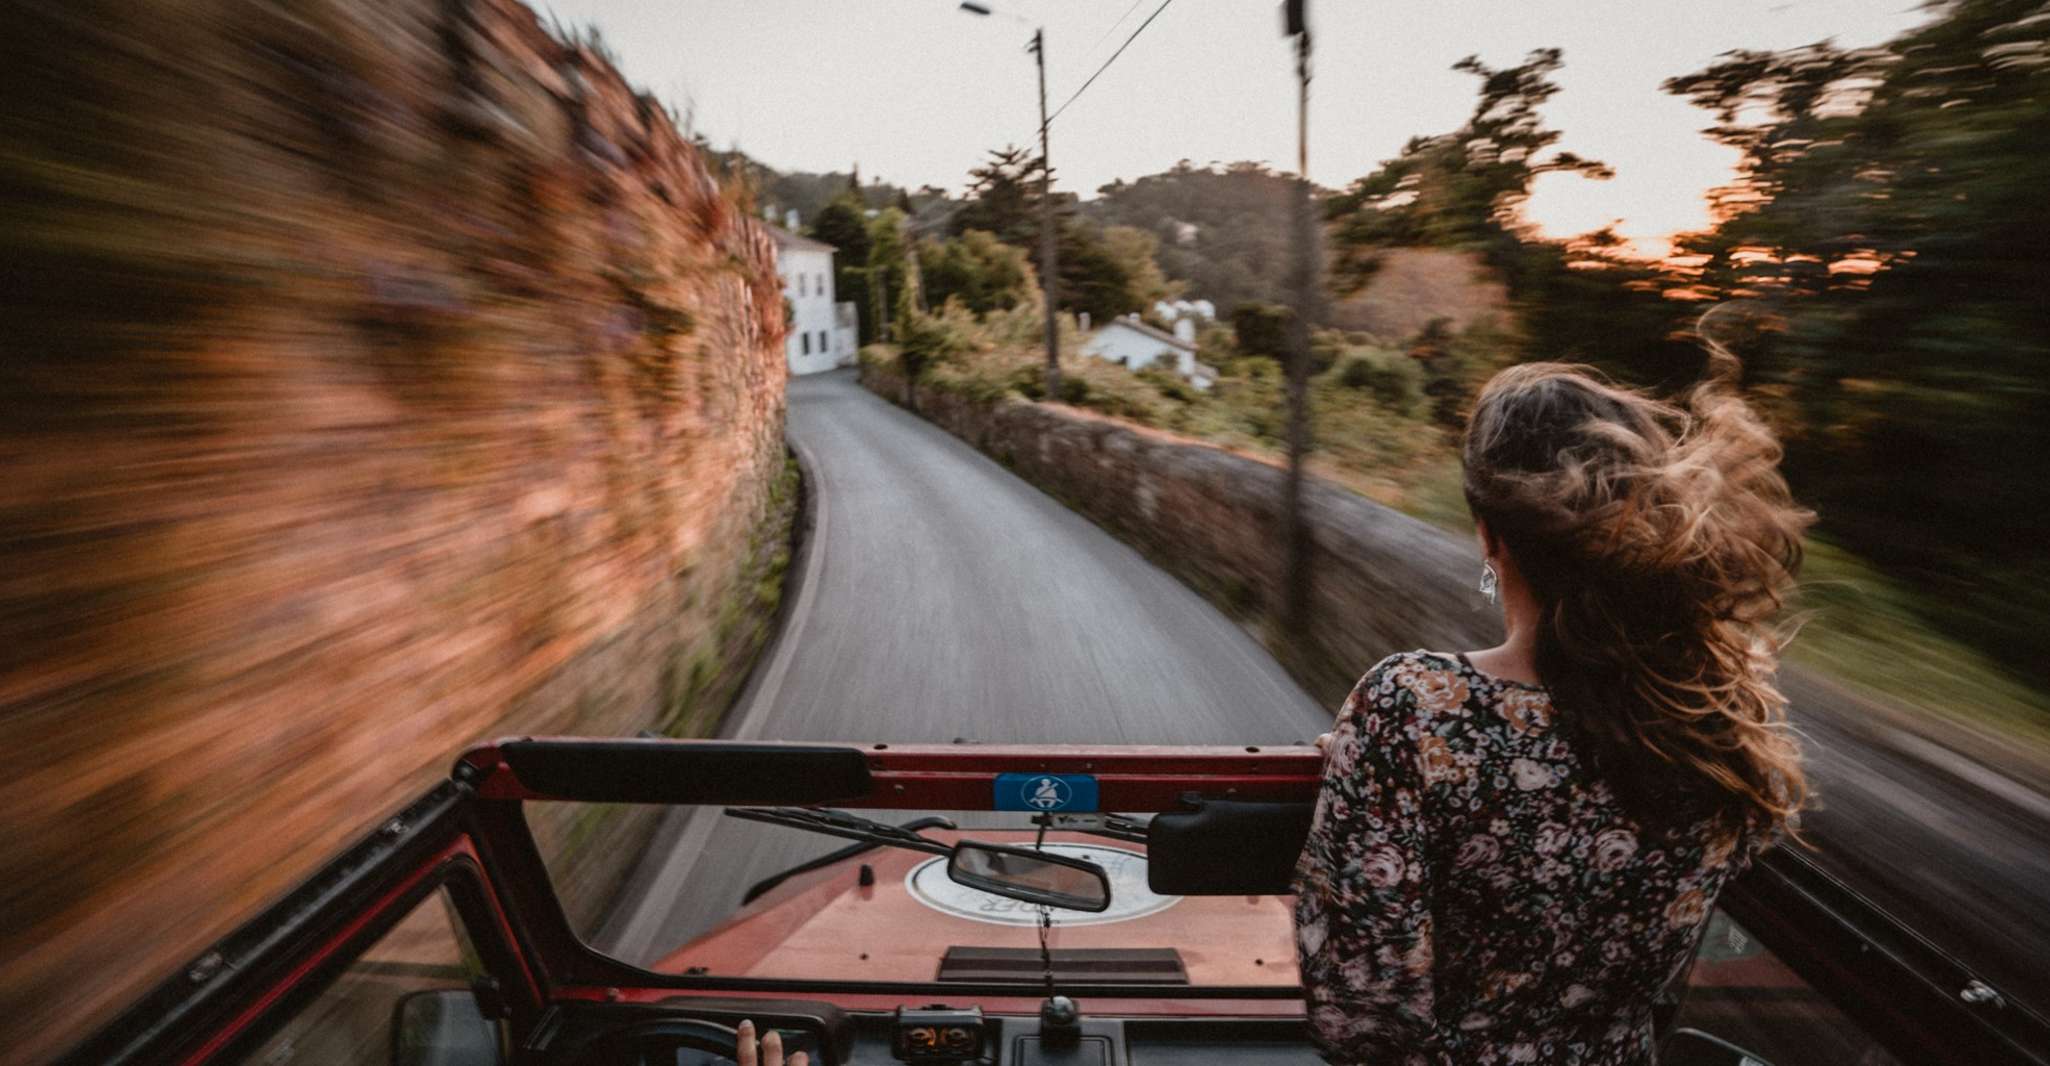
pixel 1660 542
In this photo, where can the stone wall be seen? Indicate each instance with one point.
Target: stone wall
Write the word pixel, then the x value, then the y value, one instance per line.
pixel 1385 582
pixel 382 375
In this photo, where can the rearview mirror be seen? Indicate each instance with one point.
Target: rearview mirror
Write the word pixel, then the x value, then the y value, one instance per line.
pixel 443 1027
pixel 1032 876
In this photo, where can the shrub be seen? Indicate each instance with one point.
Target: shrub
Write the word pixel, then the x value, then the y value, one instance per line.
pixel 1261 329
pixel 876 356
pixel 1394 380
pixel 1168 383
pixel 925 340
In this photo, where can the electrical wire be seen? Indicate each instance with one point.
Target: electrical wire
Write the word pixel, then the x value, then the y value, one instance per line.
pixel 1106 63
pixel 1110 29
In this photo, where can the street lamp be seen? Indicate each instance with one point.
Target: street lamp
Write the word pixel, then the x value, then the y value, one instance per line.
pixel 1047 261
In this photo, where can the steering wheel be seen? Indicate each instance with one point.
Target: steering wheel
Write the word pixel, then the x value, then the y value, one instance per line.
pixel 667 1041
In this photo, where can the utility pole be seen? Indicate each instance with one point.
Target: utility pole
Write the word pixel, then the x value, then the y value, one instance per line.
pixel 1049 265
pixel 1048 282
pixel 1296 562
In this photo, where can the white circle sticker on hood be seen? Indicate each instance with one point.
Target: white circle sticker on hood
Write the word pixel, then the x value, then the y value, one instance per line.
pixel 929 884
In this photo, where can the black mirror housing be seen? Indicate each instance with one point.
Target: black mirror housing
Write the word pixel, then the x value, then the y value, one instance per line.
pixel 1226 848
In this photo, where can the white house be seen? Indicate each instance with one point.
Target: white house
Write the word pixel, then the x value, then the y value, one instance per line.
pixel 1129 342
pixel 822 332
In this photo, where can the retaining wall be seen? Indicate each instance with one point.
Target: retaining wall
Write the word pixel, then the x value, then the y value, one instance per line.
pixel 382 375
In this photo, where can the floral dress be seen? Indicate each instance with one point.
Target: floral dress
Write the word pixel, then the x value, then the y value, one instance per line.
pixel 1469 894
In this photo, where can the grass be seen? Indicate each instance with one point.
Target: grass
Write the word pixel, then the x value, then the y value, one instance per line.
pixel 1869 629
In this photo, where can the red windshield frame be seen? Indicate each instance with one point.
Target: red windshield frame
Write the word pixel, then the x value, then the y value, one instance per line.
pixel 962 777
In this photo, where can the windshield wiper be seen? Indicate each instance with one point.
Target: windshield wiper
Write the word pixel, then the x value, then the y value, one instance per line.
pixel 834 823
pixel 832 858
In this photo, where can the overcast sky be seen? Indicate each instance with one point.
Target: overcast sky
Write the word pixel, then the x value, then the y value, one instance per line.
pixel 916 91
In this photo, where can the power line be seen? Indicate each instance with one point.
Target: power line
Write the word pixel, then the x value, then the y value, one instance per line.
pixel 1110 29
pixel 1106 63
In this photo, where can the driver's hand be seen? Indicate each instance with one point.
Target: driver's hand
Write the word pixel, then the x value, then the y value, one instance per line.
pixel 771 1052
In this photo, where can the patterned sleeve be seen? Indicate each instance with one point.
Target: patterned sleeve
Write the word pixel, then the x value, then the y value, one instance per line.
pixel 1363 889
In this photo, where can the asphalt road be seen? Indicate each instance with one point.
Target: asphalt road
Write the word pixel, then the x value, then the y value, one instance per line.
pixel 940 597
pixel 1949 845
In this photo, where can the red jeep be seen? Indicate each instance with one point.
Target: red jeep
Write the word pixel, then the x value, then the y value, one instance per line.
pixel 999 905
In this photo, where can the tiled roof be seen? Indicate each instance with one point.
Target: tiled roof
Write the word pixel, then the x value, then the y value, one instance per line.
pixel 1156 334
pixel 787 239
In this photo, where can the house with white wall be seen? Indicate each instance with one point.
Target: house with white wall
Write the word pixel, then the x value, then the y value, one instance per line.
pixel 1131 343
pixel 822 332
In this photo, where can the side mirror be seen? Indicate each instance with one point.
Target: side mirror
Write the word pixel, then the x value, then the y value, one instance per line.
pixel 443 1027
pixel 1032 876
pixel 1692 1047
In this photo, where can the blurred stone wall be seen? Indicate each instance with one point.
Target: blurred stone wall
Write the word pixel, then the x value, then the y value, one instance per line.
pixel 380 376
pixel 1384 582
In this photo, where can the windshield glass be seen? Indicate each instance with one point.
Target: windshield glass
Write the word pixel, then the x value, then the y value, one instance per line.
pixel 689 890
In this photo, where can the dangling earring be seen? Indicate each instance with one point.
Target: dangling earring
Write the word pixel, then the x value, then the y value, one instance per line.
pixel 1490 581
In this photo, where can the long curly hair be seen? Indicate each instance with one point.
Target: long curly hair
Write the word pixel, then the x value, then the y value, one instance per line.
pixel 1660 542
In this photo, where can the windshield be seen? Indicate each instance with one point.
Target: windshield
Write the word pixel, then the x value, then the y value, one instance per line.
pixel 727 898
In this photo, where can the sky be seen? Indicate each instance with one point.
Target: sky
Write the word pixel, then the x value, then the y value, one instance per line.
pixel 917 91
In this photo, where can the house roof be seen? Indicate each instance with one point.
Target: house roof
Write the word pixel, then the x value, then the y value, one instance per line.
pixel 1133 323
pixel 787 239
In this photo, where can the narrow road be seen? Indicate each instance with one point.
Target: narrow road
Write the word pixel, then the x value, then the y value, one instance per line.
pixel 940 597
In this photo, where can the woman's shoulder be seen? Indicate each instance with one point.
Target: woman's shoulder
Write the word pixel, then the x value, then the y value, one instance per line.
pixel 1425 673
pixel 1410 684
pixel 1404 667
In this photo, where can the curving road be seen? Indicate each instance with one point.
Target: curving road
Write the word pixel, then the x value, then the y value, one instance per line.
pixel 941 597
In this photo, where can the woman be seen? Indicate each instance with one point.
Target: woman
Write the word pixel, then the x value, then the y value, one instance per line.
pixel 1515 849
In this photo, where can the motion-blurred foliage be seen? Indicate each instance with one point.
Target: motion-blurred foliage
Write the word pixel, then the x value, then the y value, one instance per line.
pixel 1889 221
pixel 1882 245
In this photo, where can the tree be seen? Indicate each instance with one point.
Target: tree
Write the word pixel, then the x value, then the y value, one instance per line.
pixel 1578 299
pixel 1104 271
pixel 983 273
pixel 1133 250
pixel 887 267
pixel 1888 217
pixel 1003 197
pixel 842 224
pixel 1262 329
pixel 1094 280
pixel 1463 189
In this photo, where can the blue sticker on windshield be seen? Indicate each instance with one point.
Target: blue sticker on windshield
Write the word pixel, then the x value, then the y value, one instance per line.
pixel 1045 792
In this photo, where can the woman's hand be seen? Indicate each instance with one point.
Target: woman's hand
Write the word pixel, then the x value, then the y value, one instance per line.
pixel 771 1053
pixel 1323 742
